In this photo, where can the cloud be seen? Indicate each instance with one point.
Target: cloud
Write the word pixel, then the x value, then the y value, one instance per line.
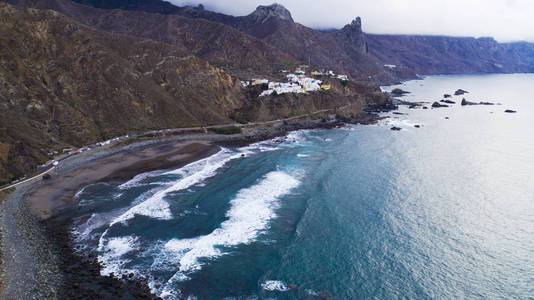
pixel 506 20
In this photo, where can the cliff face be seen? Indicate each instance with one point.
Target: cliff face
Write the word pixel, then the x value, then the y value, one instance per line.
pixel 348 99
pixel 62 83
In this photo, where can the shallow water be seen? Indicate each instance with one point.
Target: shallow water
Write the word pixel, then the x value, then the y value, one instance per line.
pixel 442 211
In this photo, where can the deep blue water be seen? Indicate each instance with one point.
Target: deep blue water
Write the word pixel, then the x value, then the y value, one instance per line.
pixel 445 211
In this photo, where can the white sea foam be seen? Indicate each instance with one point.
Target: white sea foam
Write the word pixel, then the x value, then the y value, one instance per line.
pixel 79 193
pixel 403 123
pixel 136 181
pixel 302 155
pixel 275 285
pixel 112 259
pixel 242 226
pixel 249 215
pixel 312 292
pixel 157 207
pixel 83 231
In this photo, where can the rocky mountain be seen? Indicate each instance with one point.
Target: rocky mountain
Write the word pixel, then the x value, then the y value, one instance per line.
pixel 221 45
pixel 263 14
pixel 342 50
pixel 349 50
pixel 447 55
pixel 269 36
pixel 62 83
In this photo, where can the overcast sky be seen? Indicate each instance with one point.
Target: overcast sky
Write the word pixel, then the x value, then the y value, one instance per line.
pixel 506 20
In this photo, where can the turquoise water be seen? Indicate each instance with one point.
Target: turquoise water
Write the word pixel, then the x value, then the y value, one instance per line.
pixel 444 211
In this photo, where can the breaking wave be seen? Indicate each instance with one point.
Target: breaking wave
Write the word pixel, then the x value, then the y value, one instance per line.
pixel 249 215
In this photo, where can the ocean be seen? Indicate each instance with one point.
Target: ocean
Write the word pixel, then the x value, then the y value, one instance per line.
pixel 444 211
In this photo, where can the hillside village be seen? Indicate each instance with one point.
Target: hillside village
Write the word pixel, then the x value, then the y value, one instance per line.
pixel 297 82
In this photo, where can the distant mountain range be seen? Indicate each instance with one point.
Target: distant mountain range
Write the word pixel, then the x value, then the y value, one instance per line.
pixel 72 73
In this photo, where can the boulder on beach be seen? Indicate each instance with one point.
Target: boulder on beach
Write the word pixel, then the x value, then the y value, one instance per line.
pixel 460 92
pixel 447 96
pixel 510 111
pixel 437 105
pixel 417 126
pixel 448 101
pixel 394 128
pixel 47 177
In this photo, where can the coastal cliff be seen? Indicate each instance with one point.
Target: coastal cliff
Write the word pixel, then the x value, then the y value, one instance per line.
pixel 65 84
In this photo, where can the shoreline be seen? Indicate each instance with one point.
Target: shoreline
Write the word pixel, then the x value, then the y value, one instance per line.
pixel 39 258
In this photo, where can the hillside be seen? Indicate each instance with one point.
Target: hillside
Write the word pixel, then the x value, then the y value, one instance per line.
pixel 430 55
pixel 215 42
pixel 62 83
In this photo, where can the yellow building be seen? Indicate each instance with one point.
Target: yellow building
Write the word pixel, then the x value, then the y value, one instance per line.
pixel 315 73
pixel 326 87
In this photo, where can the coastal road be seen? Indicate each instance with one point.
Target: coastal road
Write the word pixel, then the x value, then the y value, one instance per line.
pixel 47 169
pixel 50 167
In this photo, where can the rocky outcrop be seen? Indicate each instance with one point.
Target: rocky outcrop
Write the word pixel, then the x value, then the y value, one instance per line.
pixel 399 92
pixel 352 38
pixel 438 105
pixel 263 14
pixel 465 102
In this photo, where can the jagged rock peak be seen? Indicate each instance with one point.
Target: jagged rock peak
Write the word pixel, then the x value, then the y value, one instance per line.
pixel 355 25
pixel 274 11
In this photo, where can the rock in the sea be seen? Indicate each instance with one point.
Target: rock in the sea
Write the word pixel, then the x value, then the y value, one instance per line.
pixel 47 177
pixel 460 92
pixel 448 101
pixel 465 102
pixel 437 105
pixel 394 128
pixel 510 111
pixel 424 107
pixel 417 126
pixel 447 96
pixel 399 92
